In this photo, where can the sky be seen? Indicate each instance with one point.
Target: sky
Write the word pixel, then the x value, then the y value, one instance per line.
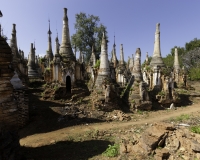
pixel 132 21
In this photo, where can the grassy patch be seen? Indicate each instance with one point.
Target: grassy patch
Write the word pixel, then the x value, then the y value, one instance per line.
pixel 111 151
pixel 139 112
pixel 162 93
pixel 182 117
pixel 195 129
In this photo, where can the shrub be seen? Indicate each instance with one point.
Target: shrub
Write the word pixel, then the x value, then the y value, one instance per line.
pixel 139 112
pixel 133 101
pixel 111 151
pixel 97 65
pixel 195 129
pixel 162 93
pixel 56 88
pixel 194 74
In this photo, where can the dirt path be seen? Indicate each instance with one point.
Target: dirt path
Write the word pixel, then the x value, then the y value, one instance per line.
pixel 43 139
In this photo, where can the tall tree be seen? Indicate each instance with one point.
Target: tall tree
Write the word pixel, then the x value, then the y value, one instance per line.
pixel 89 32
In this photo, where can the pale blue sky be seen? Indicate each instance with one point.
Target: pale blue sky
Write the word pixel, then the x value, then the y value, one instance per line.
pixel 133 21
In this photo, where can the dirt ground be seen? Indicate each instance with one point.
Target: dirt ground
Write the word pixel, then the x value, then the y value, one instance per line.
pixel 49 137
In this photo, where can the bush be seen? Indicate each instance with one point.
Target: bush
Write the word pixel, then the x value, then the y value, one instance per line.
pixel 162 93
pixel 195 129
pixel 194 74
pixel 111 151
pixel 97 65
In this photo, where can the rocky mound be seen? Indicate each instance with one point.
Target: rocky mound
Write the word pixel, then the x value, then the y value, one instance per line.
pixel 162 141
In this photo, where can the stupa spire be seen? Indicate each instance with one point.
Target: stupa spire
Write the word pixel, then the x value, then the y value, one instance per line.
pixel 157 58
pixel 66 49
pixel 13 42
pixel 104 65
pixel 57 45
pixel 49 53
pixel 121 55
pixel 114 57
pixel 176 61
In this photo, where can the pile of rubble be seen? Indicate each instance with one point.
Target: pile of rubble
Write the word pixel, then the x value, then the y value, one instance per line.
pixel 162 141
pixel 76 111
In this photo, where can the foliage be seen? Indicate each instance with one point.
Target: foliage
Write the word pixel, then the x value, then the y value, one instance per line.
pixel 188 55
pixel 194 73
pixel 42 59
pixel 97 65
pixel 4 37
pixel 89 32
pixel 133 101
pixel 111 151
pixel 145 63
pixel 195 129
pixel 192 58
pixel 192 44
pixel 161 93
pixel 169 60
pixel 167 71
pixel 45 85
pixel 181 51
pixel 56 88
pixel 47 70
pixel 139 112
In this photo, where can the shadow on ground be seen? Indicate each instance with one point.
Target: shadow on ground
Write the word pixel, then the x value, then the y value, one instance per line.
pixel 67 150
pixel 44 118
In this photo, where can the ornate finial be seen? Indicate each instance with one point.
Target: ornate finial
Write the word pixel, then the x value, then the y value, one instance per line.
pixel 158 27
pixel 49 32
pixel 93 48
pixel 114 38
pixel 34 46
pixel 1 15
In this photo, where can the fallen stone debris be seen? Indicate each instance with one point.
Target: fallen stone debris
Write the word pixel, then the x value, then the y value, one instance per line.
pixel 162 141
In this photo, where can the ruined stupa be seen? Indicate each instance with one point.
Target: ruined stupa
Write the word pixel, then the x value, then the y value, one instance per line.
pixel 157 58
pixel 121 55
pixel 137 66
pixel 65 48
pixel 32 71
pixel 113 56
pixel 93 57
pixel 104 69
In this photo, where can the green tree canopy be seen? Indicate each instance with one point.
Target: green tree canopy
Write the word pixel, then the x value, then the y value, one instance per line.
pixel 89 32
pixel 169 61
pixel 192 44
pixel 181 51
